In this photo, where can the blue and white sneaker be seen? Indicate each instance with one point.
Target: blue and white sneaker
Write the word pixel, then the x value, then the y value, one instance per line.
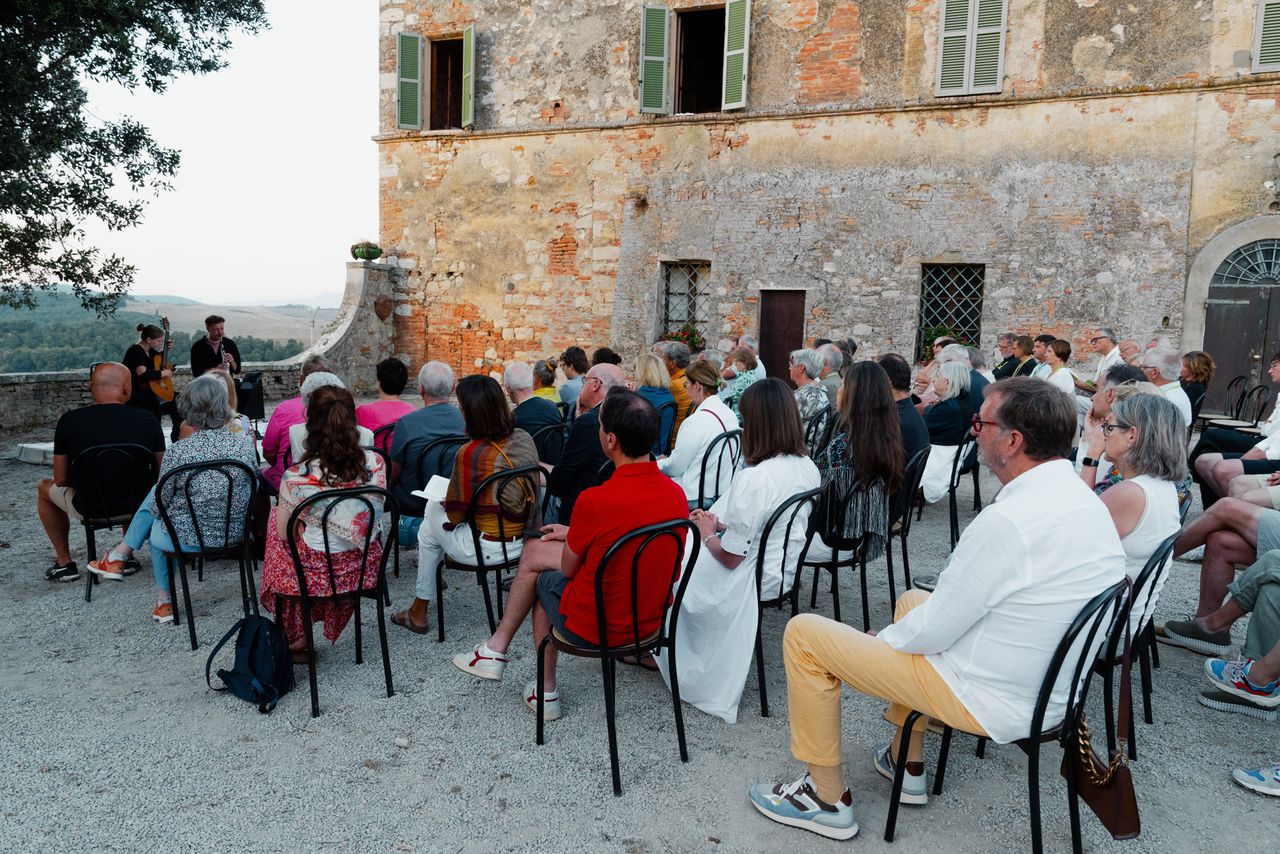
pixel 798 805
pixel 1265 781
pixel 1233 677
pixel 914 786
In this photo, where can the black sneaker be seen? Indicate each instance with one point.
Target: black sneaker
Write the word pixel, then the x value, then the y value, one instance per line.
pixel 1230 703
pixel 70 572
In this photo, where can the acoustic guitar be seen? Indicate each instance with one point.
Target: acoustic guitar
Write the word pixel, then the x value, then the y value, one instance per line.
pixel 163 387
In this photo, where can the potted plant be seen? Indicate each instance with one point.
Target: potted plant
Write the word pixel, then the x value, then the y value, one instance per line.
pixel 689 334
pixel 365 250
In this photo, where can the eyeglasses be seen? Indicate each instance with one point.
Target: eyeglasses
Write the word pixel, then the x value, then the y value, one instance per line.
pixel 1096 339
pixel 1107 428
pixel 977 423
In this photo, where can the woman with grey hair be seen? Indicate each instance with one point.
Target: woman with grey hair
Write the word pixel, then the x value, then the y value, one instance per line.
pixel 204 405
pixel 978 362
pixel 805 368
pixel 1146 440
pixel 948 425
pixel 298 432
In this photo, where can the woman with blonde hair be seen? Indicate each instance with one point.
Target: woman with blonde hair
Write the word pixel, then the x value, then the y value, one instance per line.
pixel 710 419
pixel 653 383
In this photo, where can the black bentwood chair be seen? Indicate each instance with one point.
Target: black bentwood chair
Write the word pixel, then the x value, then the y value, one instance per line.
pixel 550 443
pixel 1143 603
pixel 1233 402
pixel 510 532
pixel 224 534
pixel 965 463
pixel 795 511
pixel 435 458
pixel 110 482
pixel 382 437
pixel 369 497
pixel 815 429
pixel 900 505
pixel 851 553
pixel 1248 411
pixel 677 533
pixel 1073 659
pixel 726 450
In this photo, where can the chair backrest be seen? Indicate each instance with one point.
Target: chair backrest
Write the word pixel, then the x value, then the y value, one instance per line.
pixel 814 429
pixel 725 449
pixel 666 425
pixel 904 499
pixel 432 459
pixel 966 458
pixel 1146 592
pixel 370 498
pixel 795 511
pixel 112 480
pixel 1074 656
pixel 382 437
pixel 525 478
pixel 1253 403
pixel 550 443
pixel 688 410
pixel 1196 405
pixel 683 535
pixel 206 494
pixel 1233 397
pixel 565 411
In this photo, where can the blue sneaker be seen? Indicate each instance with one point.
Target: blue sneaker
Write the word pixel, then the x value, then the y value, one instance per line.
pixel 798 805
pixel 1233 677
pixel 1263 780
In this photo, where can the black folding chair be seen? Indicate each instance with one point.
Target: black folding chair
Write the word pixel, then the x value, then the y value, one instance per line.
pixel 550 443
pixel 791 510
pixel 844 553
pixel 680 533
pixel 1248 412
pixel 525 478
pixel 1142 602
pixel 1092 625
pixel 965 463
pixel 110 482
pixel 667 425
pixel 900 506
pixel 382 437
pixel 370 497
pixel 727 447
pixel 1233 400
pixel 225 534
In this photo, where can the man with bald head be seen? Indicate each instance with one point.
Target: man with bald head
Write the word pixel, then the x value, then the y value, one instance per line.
pixel 583 457
pixel 108 421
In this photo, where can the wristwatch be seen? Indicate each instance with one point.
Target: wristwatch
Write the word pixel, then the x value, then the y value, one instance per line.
pixel 1089 461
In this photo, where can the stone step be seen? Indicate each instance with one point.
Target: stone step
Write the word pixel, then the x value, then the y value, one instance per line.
pixel 37 453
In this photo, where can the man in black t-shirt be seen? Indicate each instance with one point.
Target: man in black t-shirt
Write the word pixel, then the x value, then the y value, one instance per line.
pixel 915 435
pixel 107 421
pixel 213 350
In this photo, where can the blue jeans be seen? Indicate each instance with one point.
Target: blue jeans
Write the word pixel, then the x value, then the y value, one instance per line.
pixel 145 528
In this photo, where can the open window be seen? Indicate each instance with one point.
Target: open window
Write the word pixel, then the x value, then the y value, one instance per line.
pixel 694 61
pixel 445 94
pixel 445 101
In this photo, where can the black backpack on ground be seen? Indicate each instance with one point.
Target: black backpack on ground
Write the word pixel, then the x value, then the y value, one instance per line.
pixel 264 665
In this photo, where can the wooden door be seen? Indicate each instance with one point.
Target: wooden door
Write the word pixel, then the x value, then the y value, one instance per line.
pixel 781 329
pixel 1240 333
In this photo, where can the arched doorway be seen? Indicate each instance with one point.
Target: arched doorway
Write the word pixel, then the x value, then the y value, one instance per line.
pixel 1242 316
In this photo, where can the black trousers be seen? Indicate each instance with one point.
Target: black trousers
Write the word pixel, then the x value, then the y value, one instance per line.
pixel 1219 440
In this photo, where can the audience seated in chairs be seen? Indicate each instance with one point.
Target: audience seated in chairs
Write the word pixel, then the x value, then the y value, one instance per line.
pixel 204 407
pixel 972 654
pixel 532 413
pixel 710 419
pixel 275 440
pixel 1222 455
pixel 948 424
pixel 675 357
pixel 496 445
pixel 653 383
pixel 861 466
pixel 718 615
pixel 556 578
pixel 915 434
pixel 393 376
pixel 583 457
pixel 107 421
pixel 544 380
pixel 332 458
pixel 436 419
pixel 805 369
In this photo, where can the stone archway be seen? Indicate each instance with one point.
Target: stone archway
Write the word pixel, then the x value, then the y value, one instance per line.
pixel 1206 264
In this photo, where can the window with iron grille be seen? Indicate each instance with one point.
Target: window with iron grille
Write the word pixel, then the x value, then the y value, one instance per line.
pixel 950 304
pixel 686 295
pixel 1256 263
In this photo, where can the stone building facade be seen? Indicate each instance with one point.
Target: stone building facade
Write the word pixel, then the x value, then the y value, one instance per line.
pixel 1108 147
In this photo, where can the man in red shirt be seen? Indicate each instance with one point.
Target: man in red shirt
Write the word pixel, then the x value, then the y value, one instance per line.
pixel 557 574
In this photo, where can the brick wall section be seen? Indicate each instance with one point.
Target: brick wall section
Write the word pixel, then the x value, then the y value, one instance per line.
pixel 830 68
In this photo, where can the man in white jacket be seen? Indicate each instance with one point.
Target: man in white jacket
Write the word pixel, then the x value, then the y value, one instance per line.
pixel 972 654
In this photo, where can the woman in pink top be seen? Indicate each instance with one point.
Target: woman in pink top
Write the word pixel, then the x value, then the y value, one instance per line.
pixel 393 376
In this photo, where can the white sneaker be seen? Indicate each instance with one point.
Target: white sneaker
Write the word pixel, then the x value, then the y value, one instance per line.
pixel 482 662
pixel 550 702
pixel 1194 556
pixel 914 789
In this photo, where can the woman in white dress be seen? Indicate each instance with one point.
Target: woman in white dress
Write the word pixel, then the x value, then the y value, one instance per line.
pixel 711 418
pixel 1056 354
pixel 716 632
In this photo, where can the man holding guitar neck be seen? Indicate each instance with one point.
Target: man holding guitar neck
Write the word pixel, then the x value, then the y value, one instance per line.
pixel 151 370
pixel 214 351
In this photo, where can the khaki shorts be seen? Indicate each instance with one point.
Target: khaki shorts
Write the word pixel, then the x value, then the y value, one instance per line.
pixel 1259 481
pixel 61 496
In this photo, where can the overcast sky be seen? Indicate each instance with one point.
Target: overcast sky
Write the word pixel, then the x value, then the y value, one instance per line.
pixel 278 174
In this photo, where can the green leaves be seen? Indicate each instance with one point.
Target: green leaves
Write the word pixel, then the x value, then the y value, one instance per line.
pixel 59 165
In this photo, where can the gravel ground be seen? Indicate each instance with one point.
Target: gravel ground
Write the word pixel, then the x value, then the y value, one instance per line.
pixel 113 742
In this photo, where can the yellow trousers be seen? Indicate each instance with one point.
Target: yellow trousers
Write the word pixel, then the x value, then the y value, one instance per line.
pixel 821 654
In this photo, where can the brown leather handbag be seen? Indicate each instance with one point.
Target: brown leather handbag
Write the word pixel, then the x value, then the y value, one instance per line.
pixel 1107 787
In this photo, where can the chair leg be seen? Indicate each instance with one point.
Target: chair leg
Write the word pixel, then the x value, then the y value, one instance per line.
pixel 610 713
pixel 835 590
pixel 977 491
pixel 311 655
pixel 89 577
pixel 955 519
pixel 943 752
pixel 675 699
pixel 497 591
pixel 382 636
pixel 888 562
pixel 906 564
pixel 186 599
pixel 359 634
pixel 488 600
pixel 439 602
pixel 1144 670
pixel 899 769
pixel 813 594
pixel 1073 803
pixel 861 569
pixel 1152 645
pixel 981 750
pixel 537 686
pixel 1033 796
pixel 764 690
pixel 200 570
pixel 1108 707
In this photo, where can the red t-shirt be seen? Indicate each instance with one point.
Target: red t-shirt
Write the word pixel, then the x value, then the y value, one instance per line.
pixel 635 496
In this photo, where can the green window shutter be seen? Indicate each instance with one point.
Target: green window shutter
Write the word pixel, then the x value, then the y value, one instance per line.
pixel 469 77
pixel 737 39
pixel 409 81
pixel 1266 37
pixel 655 29
pixel 953 48
pixel 987 67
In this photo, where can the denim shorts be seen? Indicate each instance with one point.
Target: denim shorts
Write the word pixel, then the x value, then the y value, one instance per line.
pixel 551 584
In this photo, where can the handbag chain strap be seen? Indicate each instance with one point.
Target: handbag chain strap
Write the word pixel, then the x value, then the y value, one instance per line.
pixel 1088 759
